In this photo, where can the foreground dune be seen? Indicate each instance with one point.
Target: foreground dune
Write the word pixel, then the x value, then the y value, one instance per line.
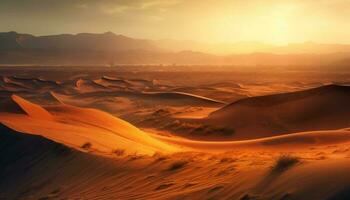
pixel 76 126
pixel 33 167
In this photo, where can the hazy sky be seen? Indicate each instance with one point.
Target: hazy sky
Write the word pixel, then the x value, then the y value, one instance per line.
pixel 270 21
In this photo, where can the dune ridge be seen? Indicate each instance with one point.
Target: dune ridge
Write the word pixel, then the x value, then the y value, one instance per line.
pixel 293 141
pixel 77 126
pixel 31 109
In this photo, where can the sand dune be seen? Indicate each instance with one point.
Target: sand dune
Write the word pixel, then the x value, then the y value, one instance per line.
pixel 55 145
pixel 222 94
pixel 45 98
pixel 28 161
pixel 32 110
pixel 9 105
pixel 148 98
pixel 29 85
pixel 188 98
pixel 33 167
pixel 88 86
pixel 10 85
pixel 76 126
pixel 16 104
pixel 47 82
pixel 320 108
pixel 113 83
pixel 294 141
pixel 127 82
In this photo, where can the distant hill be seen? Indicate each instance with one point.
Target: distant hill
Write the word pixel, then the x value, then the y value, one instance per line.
pixel 82 41
pixel 109 49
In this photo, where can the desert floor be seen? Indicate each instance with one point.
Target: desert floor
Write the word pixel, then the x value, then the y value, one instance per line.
pixel 117 133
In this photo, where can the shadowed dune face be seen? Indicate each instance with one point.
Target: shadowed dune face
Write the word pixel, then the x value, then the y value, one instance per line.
pixel 8 105
pixel 32 110
pixel 321 108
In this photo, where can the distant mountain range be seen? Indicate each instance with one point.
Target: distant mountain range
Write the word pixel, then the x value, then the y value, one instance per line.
pixel 109 48
pixel 82 41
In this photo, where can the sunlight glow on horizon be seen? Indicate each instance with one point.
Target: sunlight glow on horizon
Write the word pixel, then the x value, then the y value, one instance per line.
pixel 227 21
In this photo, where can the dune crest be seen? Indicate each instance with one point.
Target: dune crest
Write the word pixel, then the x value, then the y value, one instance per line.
pixel 31 109
pixel 75 127
pixel 293 141
pixel 321 108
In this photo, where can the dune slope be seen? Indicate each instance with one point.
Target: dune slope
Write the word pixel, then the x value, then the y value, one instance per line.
pixel 33 167
pixel 77 127
pixel 320 108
